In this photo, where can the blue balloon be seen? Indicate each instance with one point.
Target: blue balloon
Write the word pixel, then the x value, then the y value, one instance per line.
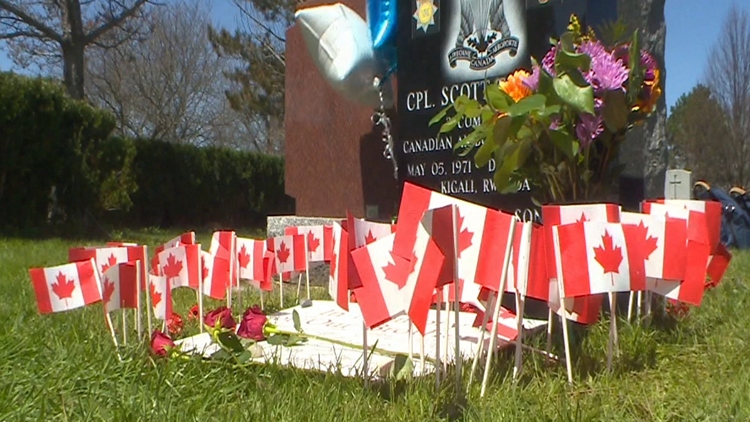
pixel 381 18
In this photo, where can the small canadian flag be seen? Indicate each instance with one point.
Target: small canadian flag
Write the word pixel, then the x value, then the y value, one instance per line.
pixel 656 246
pixel 112 254
pixel 187 238
pixel 224 246
pixel 690 289
pixel 66 287
pixel 338 288
pixel 182 266
pixel 160 295
pixel 119 287
pixel 591 258
pixel 254 262
pixel 362 233
pixel 318 241
pixel 291 254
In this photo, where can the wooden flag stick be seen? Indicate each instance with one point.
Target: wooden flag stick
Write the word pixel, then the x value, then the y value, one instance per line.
pixel 438 366
pixel 612 329
pixel 138 317
pixel 200 304
pixel 496 312
pixel 638 306
pixel 111 328
pixel 550 316
pixel 124 327
pixel 520 289
pixel 631 304
pixel 422 359
pixel 457 304
pixel 561 294
pixel 482 329
pixel 519 341
pixel 411 340
pixel 365 371
pixel 149 308
pixel 299 286
pixel 262 306
pixel 446 348
pixel 281 291
pixel 307 270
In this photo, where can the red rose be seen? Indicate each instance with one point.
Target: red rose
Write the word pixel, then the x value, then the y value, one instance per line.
pixel 160 342
pixel 252 324
pixel 194 312
pixel 223 314
pixel 175 324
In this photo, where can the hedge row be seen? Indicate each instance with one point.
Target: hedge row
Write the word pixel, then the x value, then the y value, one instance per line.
pixel 58 159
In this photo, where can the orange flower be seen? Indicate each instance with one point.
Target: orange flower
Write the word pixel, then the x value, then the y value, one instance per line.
pixel 650 94
pixel 514 85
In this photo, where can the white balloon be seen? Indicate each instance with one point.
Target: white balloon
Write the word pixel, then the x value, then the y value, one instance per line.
pixel 340 45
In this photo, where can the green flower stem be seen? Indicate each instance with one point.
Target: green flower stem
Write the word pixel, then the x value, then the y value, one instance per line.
pixel 371 350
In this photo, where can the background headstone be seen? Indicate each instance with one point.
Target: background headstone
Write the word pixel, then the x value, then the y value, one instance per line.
pixel 678 184
pixel 333 153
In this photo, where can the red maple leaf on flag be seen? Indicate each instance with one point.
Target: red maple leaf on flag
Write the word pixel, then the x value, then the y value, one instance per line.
pixel 397 271
pixel 108 291
pixel 63 288
pixel 644 244
pixel 608 256
pixel 333 259
pixel 173 267
pixel 583 218
pixel 464 236
pixel 283 253
pixel 204 268
pixel 243 257
pixel 369 238
pixel 155 296
pixel 312 242
pixel 111 261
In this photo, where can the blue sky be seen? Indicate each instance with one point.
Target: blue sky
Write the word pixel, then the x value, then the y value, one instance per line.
pixel 693 27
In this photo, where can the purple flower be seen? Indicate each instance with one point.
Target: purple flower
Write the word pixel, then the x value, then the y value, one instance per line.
pixel 588 128
pixel 607 73
pixel 548 61
pixel 532 81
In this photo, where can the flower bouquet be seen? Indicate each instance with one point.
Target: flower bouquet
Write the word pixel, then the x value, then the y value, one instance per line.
pixel 561 126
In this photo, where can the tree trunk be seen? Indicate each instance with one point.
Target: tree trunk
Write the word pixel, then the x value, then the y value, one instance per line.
pixel 73 69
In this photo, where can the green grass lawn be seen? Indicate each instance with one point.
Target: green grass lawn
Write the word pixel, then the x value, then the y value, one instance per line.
pixel 64 367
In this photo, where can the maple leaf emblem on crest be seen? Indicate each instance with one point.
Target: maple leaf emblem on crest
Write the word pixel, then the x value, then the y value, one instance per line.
pixel 63 287
pixel 111 261
pixel 173 267
pixel 369 238
pixel 464 236
pixel 608 256
pixel 108 290
pixel 155 296
pixel 283 253
pixel 312 242
pixel 243 257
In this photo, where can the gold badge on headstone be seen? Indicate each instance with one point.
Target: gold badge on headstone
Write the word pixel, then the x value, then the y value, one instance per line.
pixel 425 14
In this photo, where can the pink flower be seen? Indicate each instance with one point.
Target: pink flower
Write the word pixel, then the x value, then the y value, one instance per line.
pixel 251 325
pixel 222 314
pixel 160 342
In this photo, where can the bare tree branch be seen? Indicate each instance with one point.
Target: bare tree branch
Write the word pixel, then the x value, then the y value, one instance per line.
pixel 114 21
pixel 29 20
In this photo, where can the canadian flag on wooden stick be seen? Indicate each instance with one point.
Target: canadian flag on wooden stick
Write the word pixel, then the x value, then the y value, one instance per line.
pixel 338 286
pixel 214 286
pixel 482 237
pixel 160 295
pixel 581 309
pixel 318 241
pixel 291 254
pixel 66 287
pixel 712 210
pixel 591 258
pixel 718 265
pixel 106 257
pixel 254 262
pixel 187 238
pixel 690 289
pixel 392 285
pixel 657 247
pixel 361 233
pixel 224 246
pixel 119 287
pixel 181 266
